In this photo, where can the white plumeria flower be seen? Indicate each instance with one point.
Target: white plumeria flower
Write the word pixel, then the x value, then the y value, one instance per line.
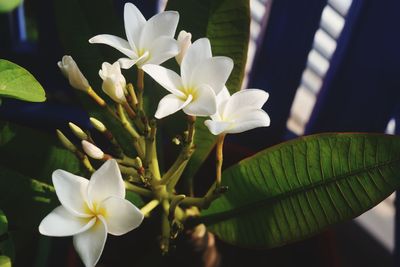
pixel 149 41
pixel 114 83
pixel 240 112
pixel 202 77
pixel 184 41
pixel 91 209
pixel 72 72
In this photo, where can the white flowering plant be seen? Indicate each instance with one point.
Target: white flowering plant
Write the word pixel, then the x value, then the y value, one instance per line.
pixel 280 195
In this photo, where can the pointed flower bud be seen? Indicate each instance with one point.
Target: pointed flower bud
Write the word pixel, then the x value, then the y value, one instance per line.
pixel 98 125
pixel 78 132
pixel 65 141
pixel 72 72
pixel 184 41
pixel 114 82
pixel 92 150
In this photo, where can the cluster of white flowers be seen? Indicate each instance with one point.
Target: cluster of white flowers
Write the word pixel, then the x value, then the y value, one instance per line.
pixel 91 209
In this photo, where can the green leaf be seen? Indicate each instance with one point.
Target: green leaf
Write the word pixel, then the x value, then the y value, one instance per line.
pixel 16 82
pixel 9 5
pixel 3 223
pixel 296 189
pixel 5 261
pixel 227 24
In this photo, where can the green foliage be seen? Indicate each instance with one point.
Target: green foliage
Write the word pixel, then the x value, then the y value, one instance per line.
pixel 296 189
pixel 7 6
pixel 227 24
pixel 16 82
pixel 3 223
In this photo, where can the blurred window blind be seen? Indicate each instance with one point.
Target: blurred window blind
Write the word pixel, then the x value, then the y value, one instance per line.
pixel 325 39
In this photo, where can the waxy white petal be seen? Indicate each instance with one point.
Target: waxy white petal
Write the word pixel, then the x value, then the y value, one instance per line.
pixel 127 63
pixel 121 215
pixel 71 190
pixel 217 127
pixel 106 182
pixel 166 78
pixel 204 102
pixel 248 98
pixel 170 104
pixel 162 49
pixel 214 71
pixel 196 53
pixel 134 23
pixel 162 24
pixel 60 222
pixel 90 244
pixel 116 42
pixel 249 120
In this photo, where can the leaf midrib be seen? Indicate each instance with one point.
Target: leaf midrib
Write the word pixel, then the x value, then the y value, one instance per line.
pixel 222 216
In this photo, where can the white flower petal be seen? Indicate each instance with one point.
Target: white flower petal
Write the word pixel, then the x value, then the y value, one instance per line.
pixel 196 53
pixel 204 102
pixel 162 24
pixel 106 182
pixel 170 104
pixel 244 99
pixel 166 78
pixel 249 120
pixel 60 222
pixel 214 71
pixel 121 215
pixel 71 191
pixel 162 49
pixel 116 42
pixel 127 63
pixel 217 127
pixel 90 244
pixel 134 23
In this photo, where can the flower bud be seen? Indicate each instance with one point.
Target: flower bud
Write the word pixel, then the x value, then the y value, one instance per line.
pixel 184 41
pixel 65 141
pixel 114 83
pixel 98 125
pixel 78 132
pixel 72 72
pixel 92 150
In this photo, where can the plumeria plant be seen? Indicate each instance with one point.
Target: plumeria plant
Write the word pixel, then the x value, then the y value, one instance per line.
pixel 282 194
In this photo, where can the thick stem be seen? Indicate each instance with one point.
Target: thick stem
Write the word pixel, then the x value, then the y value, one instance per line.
pixel 151 161
pixel 219 158
pixel 138 190
pixel 100 101
pixel 140 87
pixel 191 122
pixel 146 209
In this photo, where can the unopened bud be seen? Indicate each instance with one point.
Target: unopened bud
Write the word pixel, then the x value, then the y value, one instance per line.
pixel 138 162
pixel 78 132
pixel 72 72
pixel 65 141
pixel 98 125
pixel 176 141
pixel 184 41
pixel 114 83
pixel 92 150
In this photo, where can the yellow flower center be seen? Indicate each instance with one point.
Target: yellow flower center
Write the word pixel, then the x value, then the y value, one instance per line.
pixel 96 211
pixel 189 91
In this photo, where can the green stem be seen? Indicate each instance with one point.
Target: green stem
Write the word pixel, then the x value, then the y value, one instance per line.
pixel 146 209
pixel 151 161
pixel 219 158
pixel 128 126
pixel 138 190
pixel 140 86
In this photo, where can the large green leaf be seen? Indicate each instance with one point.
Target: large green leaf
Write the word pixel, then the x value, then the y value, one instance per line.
pixel 227 24
pixel 296 189
pixel 9 5
pixel 5 261
pixel 16 82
